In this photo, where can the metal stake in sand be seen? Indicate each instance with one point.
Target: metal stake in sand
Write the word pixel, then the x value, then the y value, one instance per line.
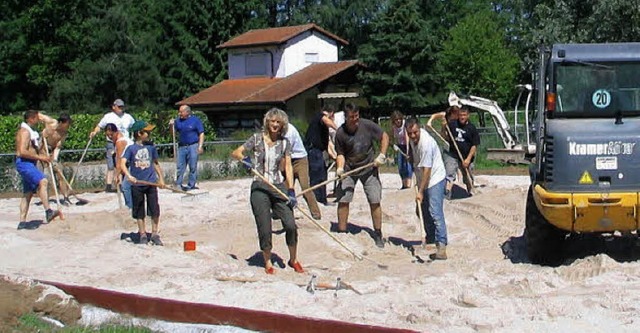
pixel 277 190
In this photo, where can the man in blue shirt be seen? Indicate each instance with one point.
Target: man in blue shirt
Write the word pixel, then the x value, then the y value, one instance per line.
pixel 190 140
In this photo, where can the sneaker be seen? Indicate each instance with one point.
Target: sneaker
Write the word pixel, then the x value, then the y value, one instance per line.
pixel 155 240
pixel 51 214
pixel 377 238
pixel 65 202
pixel 143 239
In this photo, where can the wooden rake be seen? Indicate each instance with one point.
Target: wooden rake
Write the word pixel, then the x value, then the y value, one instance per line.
pixel 187 195
pixel 356 255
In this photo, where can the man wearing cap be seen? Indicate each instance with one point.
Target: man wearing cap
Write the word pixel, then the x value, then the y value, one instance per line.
pixel 190 140
pixel 123 121
pixel 143 166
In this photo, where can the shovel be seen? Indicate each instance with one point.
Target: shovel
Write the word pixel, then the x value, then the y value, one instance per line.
pixel 80 202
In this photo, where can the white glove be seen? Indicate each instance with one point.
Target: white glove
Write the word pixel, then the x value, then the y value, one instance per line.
pixel 339 172
pixel 380 159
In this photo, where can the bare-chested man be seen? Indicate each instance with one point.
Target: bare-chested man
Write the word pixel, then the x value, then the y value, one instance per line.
pixel 27 155
pixel 54 134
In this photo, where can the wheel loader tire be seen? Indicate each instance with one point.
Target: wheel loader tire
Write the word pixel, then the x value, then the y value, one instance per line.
pixel 544 241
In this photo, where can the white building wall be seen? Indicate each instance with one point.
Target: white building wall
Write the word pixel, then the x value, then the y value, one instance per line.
pixel 308 42
pixel 287 59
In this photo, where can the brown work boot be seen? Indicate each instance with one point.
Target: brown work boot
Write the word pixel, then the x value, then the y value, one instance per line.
pixel 441 252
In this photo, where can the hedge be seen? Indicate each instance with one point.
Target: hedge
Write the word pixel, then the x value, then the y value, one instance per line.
pixel 83 124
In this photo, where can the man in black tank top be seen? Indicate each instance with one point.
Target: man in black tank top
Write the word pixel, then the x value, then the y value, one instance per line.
pixel 316 142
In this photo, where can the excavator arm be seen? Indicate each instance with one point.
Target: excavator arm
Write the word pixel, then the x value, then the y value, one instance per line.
pixel 499 120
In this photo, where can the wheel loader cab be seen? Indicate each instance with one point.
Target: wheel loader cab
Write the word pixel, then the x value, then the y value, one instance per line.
pixel 587 177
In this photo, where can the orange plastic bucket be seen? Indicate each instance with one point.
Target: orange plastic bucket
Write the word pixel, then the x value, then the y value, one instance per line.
pixel 189 245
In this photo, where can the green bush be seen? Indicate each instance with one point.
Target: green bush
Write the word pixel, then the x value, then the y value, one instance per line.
pixel 83 124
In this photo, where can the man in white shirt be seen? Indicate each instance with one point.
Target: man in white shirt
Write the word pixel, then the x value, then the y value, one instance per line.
pixel 123 121
pixel 300 164
pixel 430 175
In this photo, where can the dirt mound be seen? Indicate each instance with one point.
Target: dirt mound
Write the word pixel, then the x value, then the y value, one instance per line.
pixel 20 297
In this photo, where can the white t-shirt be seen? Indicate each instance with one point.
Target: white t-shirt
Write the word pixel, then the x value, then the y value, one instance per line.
pixel 297 146
pixel 338 119
pixel 426 154
pixel 123 122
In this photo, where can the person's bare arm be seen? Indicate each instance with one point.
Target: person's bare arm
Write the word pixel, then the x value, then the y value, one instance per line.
pixel 329 122
pixel 200 143
pixel 120 147
pixel 94 132
pixel 384 143
pixel 156 166
pixel 435 116
pixel 238 153
pixel 331 150
pixel 125 170
pixel 288 171
pixel 23 142
pixel 49 122
pixel 424 182
pixel 467 161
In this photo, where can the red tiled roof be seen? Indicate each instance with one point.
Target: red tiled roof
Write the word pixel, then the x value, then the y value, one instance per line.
pixel 268 90
pixel 274 36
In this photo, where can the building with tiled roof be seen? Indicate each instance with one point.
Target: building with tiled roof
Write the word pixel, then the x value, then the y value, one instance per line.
pixel 293 68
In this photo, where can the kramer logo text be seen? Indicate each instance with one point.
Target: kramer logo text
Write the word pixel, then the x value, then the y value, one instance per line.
pixel 609 148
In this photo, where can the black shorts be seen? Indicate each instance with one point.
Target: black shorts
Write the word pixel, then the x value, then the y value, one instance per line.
pixel 138 196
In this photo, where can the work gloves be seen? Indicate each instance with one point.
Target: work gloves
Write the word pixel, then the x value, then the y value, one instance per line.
pixel 380 159
pixel 246 162
pixel 292 202
pixel 339 172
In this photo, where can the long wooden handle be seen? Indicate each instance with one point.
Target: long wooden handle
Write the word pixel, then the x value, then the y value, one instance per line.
pixel 53 176
pixel 73 177
pixel 350 172
pixel 144 182
pixel 423 231
pixel 175 153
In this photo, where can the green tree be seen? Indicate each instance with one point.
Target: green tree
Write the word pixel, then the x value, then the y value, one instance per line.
pixel 476 59
pixel 400 59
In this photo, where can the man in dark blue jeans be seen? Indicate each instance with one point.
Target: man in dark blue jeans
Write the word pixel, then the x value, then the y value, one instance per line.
pixel 190 140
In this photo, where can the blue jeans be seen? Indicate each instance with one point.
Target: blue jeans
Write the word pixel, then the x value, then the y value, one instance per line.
pixel 188 155
pixel 433 214
pixel 317 174
pixel 125 187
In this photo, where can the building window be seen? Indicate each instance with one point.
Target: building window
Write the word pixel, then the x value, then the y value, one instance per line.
pixel 311 57
pixel 256 64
